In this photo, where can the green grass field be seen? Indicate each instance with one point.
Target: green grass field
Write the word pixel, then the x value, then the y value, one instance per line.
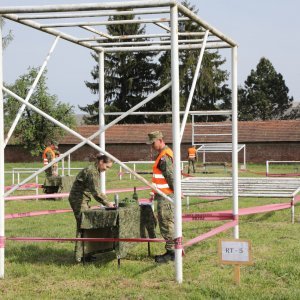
pixel 47 270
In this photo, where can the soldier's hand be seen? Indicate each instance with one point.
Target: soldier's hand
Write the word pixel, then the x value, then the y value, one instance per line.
pixel 110 204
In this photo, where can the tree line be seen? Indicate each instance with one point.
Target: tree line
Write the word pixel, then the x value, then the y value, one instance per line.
pixel 131 76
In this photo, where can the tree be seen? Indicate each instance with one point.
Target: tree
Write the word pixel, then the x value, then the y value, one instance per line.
pixel 129 77
pixel 33 130
pixel 211 91
pixel 265 95
pixel 7 38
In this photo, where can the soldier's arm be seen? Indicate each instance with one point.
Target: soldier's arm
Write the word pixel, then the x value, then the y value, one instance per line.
pixel 94 184
pixel 166 166
pixel 49 157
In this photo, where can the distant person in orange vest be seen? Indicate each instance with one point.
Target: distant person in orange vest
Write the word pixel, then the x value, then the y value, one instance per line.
pixel 48 156
pixel 163 180
pixel 192 158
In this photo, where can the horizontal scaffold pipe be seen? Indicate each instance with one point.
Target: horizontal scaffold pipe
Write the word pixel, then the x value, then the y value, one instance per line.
pixel 200 113
pixel 114 22
pixel 85 7
pixel 213 45
pixel 142 36
pixel 49 30
pixel 95 14
pixel 153 42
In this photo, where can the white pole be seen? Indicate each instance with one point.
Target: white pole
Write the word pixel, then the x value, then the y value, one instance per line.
pixel 267 168
pixel 69 164
pixel 2 168
pixel 293 210
pixel 22 108
pixel 193 139
pixel 120 173
pixel 63 167
pixel 101 114
pixel 245 157
pixel 235 208
pixel 176 139
pixel 197 71
pixel 37 188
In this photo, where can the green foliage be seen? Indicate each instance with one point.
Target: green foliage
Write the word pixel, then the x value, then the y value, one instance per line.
pixel 33 130
pixel 265 95
pixel 129 77
pixel 6 39
pixel 211 91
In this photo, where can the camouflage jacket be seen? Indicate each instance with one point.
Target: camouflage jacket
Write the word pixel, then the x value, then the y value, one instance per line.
pixel 87 184
pixel 49 171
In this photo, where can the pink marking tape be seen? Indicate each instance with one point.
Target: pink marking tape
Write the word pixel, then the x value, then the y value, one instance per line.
pixel 36 213
pixel 2 241
pixel 211 216
pixel 30 197
pixel 211 233
pixel 65 195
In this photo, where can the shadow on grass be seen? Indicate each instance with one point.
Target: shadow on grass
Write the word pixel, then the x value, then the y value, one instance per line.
pixel 47 255
pixel 260 217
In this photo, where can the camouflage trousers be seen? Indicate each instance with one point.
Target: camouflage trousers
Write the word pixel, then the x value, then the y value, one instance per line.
pixel 191 163
pixel 165 214
pixel 78 208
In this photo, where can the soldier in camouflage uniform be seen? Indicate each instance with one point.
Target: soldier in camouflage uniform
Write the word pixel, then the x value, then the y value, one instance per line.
pixel 48 156
pixel 52 181
pixel 163 180
pixel 87 184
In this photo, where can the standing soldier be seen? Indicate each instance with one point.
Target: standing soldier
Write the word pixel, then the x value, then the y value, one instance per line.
pixel 163 180
pixel 192 158
pixel 52 181
pixel 48 156
pixel 85 186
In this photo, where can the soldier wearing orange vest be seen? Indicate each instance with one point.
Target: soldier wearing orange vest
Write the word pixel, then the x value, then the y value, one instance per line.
pixel 163 180
pixel 48 156
pixel 192 157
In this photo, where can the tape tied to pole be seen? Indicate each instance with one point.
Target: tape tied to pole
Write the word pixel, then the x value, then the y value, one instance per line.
pixel 2 241
pixel 178 243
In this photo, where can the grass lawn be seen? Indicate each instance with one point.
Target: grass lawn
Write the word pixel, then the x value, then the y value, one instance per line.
pixel 47 270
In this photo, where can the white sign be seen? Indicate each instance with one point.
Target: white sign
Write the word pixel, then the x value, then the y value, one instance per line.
pixel 235 252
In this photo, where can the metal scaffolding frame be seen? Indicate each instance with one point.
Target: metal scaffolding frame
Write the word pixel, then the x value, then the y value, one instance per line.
pixel 220 148
pixel 203 147
pixel 166 39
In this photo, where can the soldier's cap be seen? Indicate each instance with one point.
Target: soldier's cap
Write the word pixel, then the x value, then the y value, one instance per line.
pixel 153 136
pixel 55 143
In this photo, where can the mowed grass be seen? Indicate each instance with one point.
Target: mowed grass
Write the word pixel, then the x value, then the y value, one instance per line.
pixel 46 270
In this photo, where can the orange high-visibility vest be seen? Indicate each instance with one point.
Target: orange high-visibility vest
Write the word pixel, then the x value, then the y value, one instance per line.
pixel 158 179
pixel 48 149
pixel 192 152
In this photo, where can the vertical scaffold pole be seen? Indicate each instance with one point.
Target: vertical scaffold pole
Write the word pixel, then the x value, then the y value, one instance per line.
pixel 176 141
pixel 2 214
pixel 101 114
pixel 235 198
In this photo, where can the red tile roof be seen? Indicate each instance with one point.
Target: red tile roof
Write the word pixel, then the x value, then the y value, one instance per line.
pixel 249 131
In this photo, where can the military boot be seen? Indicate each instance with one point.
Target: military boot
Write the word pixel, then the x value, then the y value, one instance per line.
pixel 164 258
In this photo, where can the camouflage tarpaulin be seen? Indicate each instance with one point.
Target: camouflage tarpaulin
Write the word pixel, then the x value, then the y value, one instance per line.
pixel 125 222
pixel 61 184
pixel 99 218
